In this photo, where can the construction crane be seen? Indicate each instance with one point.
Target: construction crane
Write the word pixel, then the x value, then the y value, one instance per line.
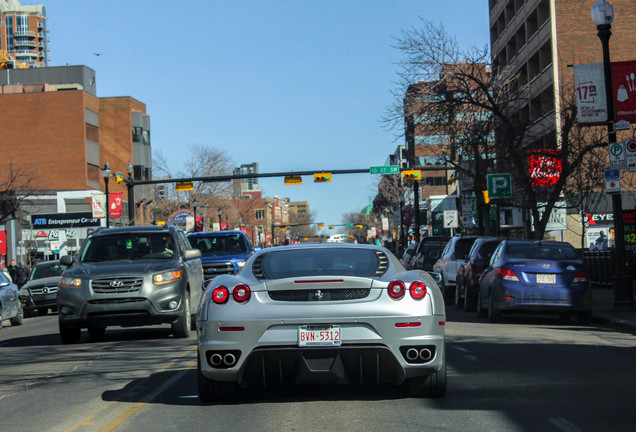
pixel 8 62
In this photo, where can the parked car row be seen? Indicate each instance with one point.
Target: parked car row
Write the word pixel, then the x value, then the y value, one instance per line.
pixel 494 276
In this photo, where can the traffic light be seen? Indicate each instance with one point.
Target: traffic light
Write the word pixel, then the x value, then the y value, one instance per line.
pixel 322 177
pixel 119 178
pixel 359 226
pixel 331 226
pixel 412 175
pixel 293 179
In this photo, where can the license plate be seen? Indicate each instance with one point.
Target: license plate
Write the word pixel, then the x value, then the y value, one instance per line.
pixel 546 278
pixel 328 335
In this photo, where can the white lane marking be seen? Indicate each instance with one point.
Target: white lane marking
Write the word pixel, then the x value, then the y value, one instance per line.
pixel 564 425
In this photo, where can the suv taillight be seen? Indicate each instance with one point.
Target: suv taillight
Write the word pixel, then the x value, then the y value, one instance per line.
pixel 581 276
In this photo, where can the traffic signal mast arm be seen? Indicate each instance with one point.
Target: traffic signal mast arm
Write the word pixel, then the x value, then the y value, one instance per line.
pixel 230 177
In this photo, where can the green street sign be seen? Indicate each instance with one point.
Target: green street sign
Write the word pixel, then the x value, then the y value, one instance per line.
pixel 499 185
pixel 387 169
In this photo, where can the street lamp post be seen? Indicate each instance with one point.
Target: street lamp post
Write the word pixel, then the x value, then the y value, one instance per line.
pixel 220 214
pixel 603 15
pixel 106 173
pixel 195 205
pixel 130 184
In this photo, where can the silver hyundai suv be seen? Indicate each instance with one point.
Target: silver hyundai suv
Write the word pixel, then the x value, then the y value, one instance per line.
pixel 130 276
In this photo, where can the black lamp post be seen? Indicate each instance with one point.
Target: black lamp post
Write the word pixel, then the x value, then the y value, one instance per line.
pixel 195 205
pixel 130 184
pixel 603 15
pixel 106 173
pixel 220 214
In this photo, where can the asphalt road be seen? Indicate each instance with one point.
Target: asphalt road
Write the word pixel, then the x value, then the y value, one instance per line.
pixel 528 373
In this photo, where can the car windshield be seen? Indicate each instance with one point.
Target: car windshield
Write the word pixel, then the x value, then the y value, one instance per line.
pixel 548 251
pixel 128 246
pixel 320 262
pixel 219 244
pixel 46 270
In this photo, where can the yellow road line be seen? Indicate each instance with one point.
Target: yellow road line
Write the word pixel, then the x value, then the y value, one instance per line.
pixel 120 419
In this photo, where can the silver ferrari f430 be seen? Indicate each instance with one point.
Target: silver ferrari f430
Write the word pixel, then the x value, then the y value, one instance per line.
pixel 330 313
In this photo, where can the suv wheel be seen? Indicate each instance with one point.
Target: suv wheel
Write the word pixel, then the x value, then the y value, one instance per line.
pixel 70 335
pixel 181 327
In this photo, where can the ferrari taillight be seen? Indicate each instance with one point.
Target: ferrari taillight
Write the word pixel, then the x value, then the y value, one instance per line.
pixel 396 289
pixel 241 293
pixel 417 289
pixel 220 295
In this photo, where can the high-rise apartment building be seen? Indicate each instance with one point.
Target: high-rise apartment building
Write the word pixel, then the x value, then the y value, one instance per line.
pixel 23 32
pixel 246 184
pixel 539 39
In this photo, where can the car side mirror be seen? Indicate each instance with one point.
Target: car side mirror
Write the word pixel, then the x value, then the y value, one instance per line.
pixel 191 254
pixel 67 260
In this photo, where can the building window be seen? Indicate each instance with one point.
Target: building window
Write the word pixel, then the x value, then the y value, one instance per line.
pixel 260 214
pixel 431 139
pixel 434 181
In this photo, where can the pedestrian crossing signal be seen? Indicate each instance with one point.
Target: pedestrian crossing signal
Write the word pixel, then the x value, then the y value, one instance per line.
pixel 322 177
pixel 412 175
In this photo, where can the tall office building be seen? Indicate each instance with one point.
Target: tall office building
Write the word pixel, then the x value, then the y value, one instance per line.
pixel 246 184
pixel 23 32
pixel 539 39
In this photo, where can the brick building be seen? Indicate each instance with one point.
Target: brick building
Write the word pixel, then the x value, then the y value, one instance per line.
pixel 59 134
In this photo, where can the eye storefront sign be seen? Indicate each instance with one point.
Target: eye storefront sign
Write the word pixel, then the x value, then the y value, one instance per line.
pixel 544 167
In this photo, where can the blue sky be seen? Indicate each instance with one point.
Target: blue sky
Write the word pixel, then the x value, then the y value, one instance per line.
pixel 292 85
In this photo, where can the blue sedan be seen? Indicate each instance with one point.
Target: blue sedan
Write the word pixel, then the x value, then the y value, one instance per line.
pixel 539 276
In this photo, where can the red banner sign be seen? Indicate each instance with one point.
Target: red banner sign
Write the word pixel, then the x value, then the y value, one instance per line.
pixel 624 89
pixel 116 199
pixel 3 242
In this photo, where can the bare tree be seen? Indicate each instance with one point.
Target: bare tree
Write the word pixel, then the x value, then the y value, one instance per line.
pixel 203 161
pixel 14 182
pixel 461 87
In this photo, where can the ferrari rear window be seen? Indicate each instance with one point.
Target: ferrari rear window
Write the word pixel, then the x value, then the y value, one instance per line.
pixel 319 262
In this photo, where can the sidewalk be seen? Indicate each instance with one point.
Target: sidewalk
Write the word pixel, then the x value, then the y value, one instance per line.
pixel 603 311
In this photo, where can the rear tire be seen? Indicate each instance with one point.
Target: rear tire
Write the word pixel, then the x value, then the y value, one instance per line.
pixel 181 327
pixel 96 332
pixel 432 386
pixel 481 311
pixel 584 318
pixel 459 301
pixel 215 391
pixel 494 314
pixel 70 335
pixel 19 318
pixel 470 300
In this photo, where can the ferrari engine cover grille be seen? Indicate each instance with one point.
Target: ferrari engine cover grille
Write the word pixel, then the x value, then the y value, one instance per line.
pixel 304 295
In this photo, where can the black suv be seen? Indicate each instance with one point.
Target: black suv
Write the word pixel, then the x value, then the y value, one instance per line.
pixel 140 275
pixel 40 291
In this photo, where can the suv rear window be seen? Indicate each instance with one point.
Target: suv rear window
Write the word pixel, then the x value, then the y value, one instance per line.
pixel 463 247
pixel 219 244
pixel 128 246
